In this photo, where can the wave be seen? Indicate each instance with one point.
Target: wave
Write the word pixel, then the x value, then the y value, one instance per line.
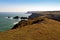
pixel 6 17
pixel 19 19
pixel 15 23
pixel 9 18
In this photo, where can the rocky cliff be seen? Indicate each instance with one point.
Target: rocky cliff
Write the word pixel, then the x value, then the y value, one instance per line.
pixel 39 28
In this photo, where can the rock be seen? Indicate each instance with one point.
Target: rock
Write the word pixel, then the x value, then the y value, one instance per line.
pixel 29 22
pixel 34 15
pixel 16 17
pixel 8 16
pixel 24 18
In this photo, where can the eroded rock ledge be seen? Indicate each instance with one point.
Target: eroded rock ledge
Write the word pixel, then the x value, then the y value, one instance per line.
pixel 29 22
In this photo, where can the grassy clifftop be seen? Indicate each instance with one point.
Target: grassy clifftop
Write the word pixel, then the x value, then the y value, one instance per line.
pixel 45 12
pixel 40 28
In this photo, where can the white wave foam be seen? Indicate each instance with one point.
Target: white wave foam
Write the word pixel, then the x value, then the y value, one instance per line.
pixel 15 23
pixel 11 18
pixel 6 17
pixel 19 19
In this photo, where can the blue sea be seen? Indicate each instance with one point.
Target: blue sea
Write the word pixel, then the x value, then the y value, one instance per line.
pixel 8 23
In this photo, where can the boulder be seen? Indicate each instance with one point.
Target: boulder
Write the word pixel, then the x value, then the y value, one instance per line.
pixel 16 17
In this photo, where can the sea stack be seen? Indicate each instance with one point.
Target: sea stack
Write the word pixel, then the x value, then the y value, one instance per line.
pixel 16 17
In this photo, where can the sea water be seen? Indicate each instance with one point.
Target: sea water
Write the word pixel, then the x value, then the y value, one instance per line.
pixel 8 23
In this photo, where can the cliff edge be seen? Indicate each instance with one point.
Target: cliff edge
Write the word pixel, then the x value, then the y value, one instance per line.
pixel 40 28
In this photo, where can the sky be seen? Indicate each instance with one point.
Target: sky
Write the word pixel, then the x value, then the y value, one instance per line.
pixel 29 5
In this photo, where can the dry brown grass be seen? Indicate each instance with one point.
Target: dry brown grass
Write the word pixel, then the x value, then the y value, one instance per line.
pixel 46 30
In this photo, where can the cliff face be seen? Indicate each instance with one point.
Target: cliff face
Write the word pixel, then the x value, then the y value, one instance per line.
pixel 55 15
pixel 34 15
pixel 40 28
pixel 29 22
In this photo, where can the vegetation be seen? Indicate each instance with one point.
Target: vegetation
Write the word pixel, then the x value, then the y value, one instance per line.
pixel 39 28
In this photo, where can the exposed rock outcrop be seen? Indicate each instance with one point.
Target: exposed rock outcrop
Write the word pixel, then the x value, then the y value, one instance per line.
pixel 24 18
pixel 34 15
pixel 16 17
pixel 29 22
pixel 55 15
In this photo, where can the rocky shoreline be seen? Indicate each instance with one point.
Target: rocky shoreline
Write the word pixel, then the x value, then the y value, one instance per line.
pixel 37 28
pixel 32 18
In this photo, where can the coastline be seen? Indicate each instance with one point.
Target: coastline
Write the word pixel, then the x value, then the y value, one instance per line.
pixel 38 28
pixel 33 15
